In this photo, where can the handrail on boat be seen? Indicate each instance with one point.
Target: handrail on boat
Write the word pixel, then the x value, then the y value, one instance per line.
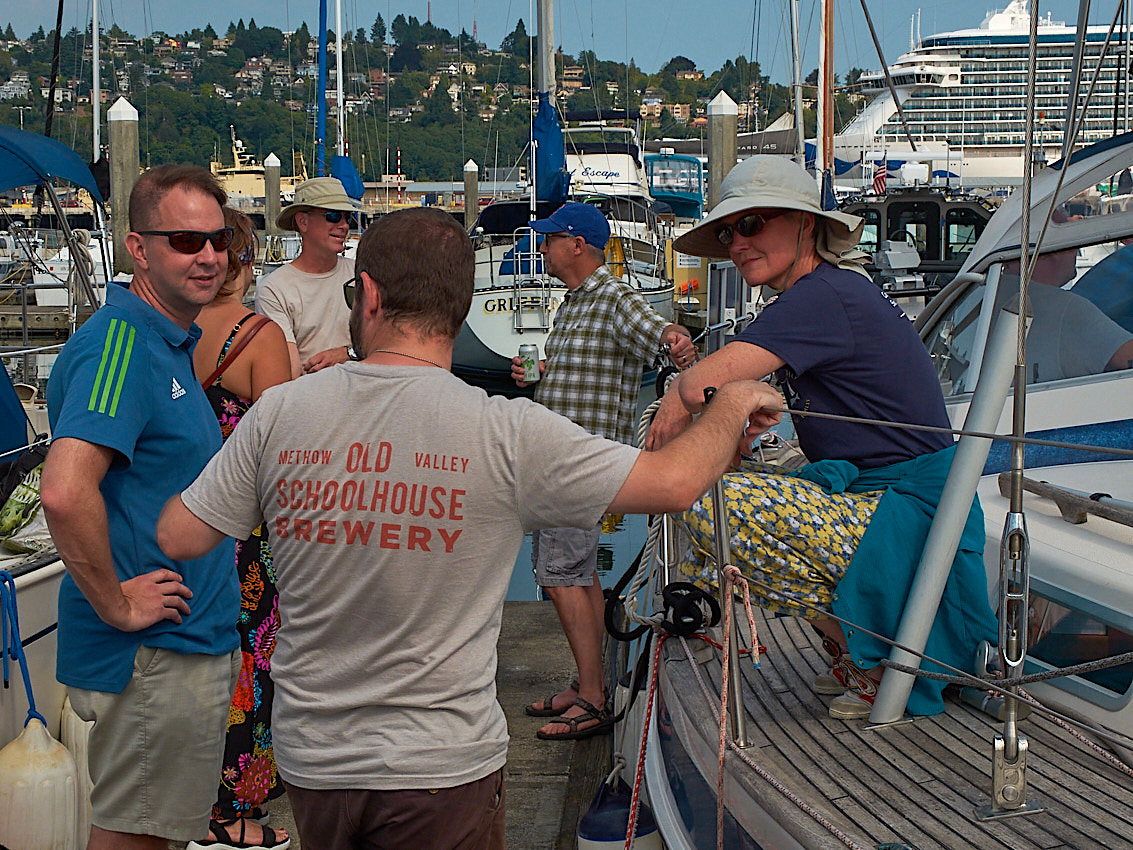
pixel 1074 505
pixel 944 534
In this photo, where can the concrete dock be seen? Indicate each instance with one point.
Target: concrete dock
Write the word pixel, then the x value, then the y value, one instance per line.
pixel 549 783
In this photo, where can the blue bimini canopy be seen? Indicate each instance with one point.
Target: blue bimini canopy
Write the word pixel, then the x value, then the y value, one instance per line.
pixel 28 159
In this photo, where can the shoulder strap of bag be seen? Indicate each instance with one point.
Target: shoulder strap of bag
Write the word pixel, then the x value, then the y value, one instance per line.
pixel 234 352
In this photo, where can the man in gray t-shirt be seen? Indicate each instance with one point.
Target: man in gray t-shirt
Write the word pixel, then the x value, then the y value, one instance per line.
pixel 398 498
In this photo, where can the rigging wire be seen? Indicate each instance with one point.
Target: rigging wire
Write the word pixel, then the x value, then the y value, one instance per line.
pixel 958 432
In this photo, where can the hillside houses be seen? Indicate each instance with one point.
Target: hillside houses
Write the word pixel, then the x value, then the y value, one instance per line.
pixel 386 80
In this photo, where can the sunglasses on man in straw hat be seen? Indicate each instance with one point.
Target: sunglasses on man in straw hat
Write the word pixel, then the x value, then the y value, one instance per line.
pixel 325 194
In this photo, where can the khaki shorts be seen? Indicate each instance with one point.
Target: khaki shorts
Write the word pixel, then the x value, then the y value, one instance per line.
pixel 565 557
pixel 156 748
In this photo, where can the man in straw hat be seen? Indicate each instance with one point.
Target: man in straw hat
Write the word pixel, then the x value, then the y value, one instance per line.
pixel 844 535
pixel 304 297
pixel 387 730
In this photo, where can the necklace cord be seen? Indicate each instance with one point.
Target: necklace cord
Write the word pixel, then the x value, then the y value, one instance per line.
pixel 410 356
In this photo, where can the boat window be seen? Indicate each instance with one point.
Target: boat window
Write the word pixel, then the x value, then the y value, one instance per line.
pixel 918 224
pixel 624 208
pixel 962 229
pixel 1061 636
pixel 1082 325
pixel 869 240
pixel 952 342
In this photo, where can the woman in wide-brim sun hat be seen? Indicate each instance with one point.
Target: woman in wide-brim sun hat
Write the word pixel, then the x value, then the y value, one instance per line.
pixel 842 535
pixel 773 182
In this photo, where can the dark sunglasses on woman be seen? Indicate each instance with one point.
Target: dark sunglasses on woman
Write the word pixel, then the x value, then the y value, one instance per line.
pixel 192 241
pixel 747 225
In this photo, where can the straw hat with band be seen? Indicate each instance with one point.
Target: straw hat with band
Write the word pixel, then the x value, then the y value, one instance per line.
pixel 318 193
pixel 774 182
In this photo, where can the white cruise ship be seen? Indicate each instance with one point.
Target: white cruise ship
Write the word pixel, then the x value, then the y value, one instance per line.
pixel 964 98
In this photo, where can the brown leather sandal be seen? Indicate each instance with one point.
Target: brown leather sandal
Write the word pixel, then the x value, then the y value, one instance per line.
pixel 544 708
pixel 605 722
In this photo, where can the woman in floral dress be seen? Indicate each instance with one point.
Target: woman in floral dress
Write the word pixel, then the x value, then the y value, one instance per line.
pixel 257 357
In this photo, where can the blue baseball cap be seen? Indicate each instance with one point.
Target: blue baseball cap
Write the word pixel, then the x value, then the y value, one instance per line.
pixel 578 220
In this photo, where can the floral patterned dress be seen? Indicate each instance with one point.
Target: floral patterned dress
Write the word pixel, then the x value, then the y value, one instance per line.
pixel 248 776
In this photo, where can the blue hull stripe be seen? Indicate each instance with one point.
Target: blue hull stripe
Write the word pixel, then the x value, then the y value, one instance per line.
pixel 1118 434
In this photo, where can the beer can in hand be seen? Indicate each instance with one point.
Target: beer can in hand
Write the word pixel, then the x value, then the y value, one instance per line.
pixel 529 357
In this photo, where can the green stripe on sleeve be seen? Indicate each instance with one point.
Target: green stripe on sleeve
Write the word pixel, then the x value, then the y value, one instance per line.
pixel 102 364
pixel 122 372
pixel 112 373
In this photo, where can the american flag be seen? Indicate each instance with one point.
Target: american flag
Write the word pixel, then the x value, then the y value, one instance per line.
pixel 880 172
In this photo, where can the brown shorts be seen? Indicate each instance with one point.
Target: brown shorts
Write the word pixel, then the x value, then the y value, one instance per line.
pixel 467 817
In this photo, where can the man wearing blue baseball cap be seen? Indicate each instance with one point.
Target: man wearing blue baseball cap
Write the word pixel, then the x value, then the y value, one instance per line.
pixel 603 336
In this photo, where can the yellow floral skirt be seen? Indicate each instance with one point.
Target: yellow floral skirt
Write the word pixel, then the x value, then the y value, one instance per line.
pixel 790 538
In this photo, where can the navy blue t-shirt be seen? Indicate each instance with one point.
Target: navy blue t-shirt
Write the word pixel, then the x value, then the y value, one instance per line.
pixel 850 350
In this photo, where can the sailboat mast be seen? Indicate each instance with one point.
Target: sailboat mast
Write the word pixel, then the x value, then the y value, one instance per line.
pixel 96 84
pixel 546 81
pixel 321 95
pixel 825 137
pixel 546 48
pixel 796 55
pixel 340 140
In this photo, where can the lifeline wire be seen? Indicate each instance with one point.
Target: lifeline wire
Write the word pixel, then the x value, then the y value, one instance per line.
pixel 961 432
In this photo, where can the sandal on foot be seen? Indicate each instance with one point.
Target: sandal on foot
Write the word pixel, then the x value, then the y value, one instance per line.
pixel 545 707
pixel 219 840
pixel 857 702
pixel 835 682
pixel 604 721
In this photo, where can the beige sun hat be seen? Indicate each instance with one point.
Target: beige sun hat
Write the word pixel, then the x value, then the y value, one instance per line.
pixel 319 193
pixel 773 182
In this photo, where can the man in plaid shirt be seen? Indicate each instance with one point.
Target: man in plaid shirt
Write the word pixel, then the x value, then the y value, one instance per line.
pixel 604 335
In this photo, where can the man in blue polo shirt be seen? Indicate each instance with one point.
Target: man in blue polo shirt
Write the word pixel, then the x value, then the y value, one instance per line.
pixel 147 646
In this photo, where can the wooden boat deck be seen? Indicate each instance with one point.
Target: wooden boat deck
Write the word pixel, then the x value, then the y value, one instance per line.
pixel 917 783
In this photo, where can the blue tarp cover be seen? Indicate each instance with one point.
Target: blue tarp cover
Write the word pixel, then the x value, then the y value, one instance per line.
pixel 28 158
pixel 15 429
pixel 551 177
pixel 343 168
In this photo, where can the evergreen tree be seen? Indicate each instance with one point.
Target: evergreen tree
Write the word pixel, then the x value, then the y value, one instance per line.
pixel 406 58
pixel 378 31
pixel 399 29
pixel 518 42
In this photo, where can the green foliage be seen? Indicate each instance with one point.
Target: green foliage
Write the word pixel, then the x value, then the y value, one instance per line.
pixel 189 125
pixel 517 42
pixel 259 41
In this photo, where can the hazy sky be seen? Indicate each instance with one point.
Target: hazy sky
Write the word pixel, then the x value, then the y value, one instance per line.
pixel 657 30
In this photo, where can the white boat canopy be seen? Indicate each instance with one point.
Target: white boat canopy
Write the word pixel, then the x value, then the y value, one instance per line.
pixel 1002 238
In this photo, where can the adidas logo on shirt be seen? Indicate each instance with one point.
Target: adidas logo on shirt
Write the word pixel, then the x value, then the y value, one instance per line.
pixel 178 390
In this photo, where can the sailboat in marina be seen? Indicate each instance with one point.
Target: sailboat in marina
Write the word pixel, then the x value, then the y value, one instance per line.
pixel 1058 522
pixel 515 300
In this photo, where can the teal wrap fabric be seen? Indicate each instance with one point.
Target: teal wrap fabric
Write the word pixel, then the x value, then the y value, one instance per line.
pixel 873 592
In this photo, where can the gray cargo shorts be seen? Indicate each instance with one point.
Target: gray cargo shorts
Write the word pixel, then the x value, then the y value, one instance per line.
pixel 565 557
